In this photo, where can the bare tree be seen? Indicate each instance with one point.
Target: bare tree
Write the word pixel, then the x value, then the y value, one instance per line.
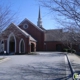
pixel 6 17
pixel 70 37
pixel 68 9
pixel 68 13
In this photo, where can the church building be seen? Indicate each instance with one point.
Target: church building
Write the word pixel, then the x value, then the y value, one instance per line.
pixel 27 37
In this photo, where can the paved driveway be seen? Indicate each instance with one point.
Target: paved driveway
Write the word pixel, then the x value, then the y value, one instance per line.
pixel 45 66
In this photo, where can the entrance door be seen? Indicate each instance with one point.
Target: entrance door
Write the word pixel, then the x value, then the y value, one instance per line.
pixel 12 45
pixel 58 47
pixel 32 47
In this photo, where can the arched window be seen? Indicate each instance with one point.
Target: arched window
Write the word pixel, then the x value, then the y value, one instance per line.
pixel 11 44
pixel 21 46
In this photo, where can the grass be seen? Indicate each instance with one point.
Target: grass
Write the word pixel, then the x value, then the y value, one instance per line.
pixel 32 53
pixel 1 58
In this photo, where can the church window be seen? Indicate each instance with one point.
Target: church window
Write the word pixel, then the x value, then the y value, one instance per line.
pixel 25 26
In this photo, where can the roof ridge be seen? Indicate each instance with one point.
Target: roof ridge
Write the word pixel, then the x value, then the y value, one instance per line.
pixel 32 24
pixel 24 32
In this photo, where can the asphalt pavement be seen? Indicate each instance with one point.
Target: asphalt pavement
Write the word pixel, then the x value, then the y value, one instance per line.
pixel 44 66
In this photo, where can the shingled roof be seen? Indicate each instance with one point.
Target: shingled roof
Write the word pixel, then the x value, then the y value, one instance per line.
pixel 53 35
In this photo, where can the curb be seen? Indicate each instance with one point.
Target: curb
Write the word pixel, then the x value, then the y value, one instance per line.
pixel 70 66
pixel 5 59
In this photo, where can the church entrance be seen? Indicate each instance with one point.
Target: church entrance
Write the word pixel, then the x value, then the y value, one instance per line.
pixel 11 45
pixel 32 47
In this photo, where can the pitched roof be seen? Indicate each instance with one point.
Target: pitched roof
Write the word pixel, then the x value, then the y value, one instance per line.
pixel 57 35
pixel 23 32
pixel 53 35
pixel 32 24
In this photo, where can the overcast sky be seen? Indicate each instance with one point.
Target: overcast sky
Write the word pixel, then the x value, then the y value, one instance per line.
pixel 29 9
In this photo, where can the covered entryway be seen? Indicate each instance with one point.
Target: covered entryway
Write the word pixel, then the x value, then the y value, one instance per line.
pixel 12 45
pixel 32 47
pixel 21 46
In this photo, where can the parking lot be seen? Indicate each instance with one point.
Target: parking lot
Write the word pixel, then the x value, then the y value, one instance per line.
pixel 44 66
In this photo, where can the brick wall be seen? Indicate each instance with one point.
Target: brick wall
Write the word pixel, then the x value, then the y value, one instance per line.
pixel 53 46
pixel 35 33
pixel 18 36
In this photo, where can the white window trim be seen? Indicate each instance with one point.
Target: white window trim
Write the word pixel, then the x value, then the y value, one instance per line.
pixel 20 45
pixel 9 40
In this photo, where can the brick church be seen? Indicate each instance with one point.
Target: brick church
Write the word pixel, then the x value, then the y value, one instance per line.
pixel 27 37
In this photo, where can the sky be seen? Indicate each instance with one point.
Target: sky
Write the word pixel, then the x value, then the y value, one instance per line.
pixel 29 9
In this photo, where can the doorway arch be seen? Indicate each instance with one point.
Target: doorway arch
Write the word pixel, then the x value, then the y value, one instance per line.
pixel 11 44
pixel 21 46
pixel 32 47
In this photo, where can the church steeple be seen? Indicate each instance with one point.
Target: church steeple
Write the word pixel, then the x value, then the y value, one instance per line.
pixel 39 17
pixel 39 23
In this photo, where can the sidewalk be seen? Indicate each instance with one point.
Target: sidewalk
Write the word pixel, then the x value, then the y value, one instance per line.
pixel 75 62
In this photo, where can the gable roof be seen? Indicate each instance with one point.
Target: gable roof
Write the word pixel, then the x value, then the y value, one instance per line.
pixel 32 24
pixel 22 31
pixel 57 35
pixel 53 35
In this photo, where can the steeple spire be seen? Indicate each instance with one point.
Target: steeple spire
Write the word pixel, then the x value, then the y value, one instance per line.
pixel 39 23
pixel 39 17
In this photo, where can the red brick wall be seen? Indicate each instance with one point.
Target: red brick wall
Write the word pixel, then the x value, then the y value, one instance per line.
pixel 35 33
pixel 26 40
pixel 18 36
pixel 51 45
